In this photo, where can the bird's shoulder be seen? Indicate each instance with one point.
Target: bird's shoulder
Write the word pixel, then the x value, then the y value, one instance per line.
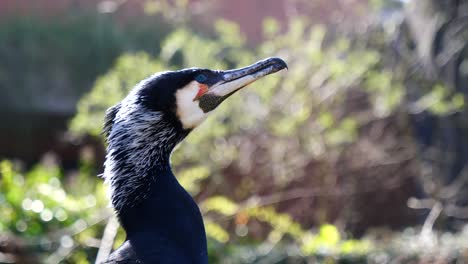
pixel 124 254
pixel 143 250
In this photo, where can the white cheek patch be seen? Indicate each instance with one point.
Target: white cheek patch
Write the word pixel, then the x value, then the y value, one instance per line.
pixel 189 112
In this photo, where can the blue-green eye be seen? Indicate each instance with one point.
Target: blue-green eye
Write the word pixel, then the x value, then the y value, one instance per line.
pixel 200 78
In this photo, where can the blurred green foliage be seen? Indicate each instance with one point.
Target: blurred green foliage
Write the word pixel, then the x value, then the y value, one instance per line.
pixel 50 218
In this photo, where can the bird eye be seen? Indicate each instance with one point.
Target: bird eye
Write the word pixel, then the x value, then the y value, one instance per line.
pixel 200 78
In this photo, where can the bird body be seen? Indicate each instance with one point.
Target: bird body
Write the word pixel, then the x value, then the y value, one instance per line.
pixel 166 227
pixel 162 221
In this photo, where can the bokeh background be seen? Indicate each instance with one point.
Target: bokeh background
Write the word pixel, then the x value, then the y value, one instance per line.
pixel 357 154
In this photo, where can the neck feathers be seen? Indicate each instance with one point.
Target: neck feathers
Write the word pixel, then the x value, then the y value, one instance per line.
pixel 140 142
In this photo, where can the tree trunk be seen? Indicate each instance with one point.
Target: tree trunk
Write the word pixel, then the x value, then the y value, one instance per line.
pixel 437 31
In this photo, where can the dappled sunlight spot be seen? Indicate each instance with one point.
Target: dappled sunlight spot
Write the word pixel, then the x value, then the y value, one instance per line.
pixel 55 182
pixel 27 204
pixel 45 189
pixel 329 234
pixel 90 200
pixel 242 230
pixel 21 226
pixel 328 241
pixel 316 147
pixel 59 195
pixel 37 206
pixel 61 215
pixel 46 215
pixel 79 225
pixel 66 241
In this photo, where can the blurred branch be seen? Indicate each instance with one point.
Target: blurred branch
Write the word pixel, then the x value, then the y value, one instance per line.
pixel 67 244
pixel 426 231
pixel 420 203
pixel 454 188
pixel 256 201
pixel 305 193
pixel 443 198
pixel 107 240
pixel 80 226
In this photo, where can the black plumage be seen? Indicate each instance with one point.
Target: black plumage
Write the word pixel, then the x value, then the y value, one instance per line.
pixel 162 222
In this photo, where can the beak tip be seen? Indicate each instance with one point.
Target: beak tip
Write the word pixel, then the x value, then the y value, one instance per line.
pixel 279 63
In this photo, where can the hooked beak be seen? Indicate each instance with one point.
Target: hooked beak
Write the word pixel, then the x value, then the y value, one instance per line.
pixel 233 80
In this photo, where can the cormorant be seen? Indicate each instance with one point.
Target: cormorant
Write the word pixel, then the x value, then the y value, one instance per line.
pixel 162 222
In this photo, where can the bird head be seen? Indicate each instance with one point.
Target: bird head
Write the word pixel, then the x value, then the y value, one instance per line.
pixel 191 94
pixel 161 110
pixel 184 98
